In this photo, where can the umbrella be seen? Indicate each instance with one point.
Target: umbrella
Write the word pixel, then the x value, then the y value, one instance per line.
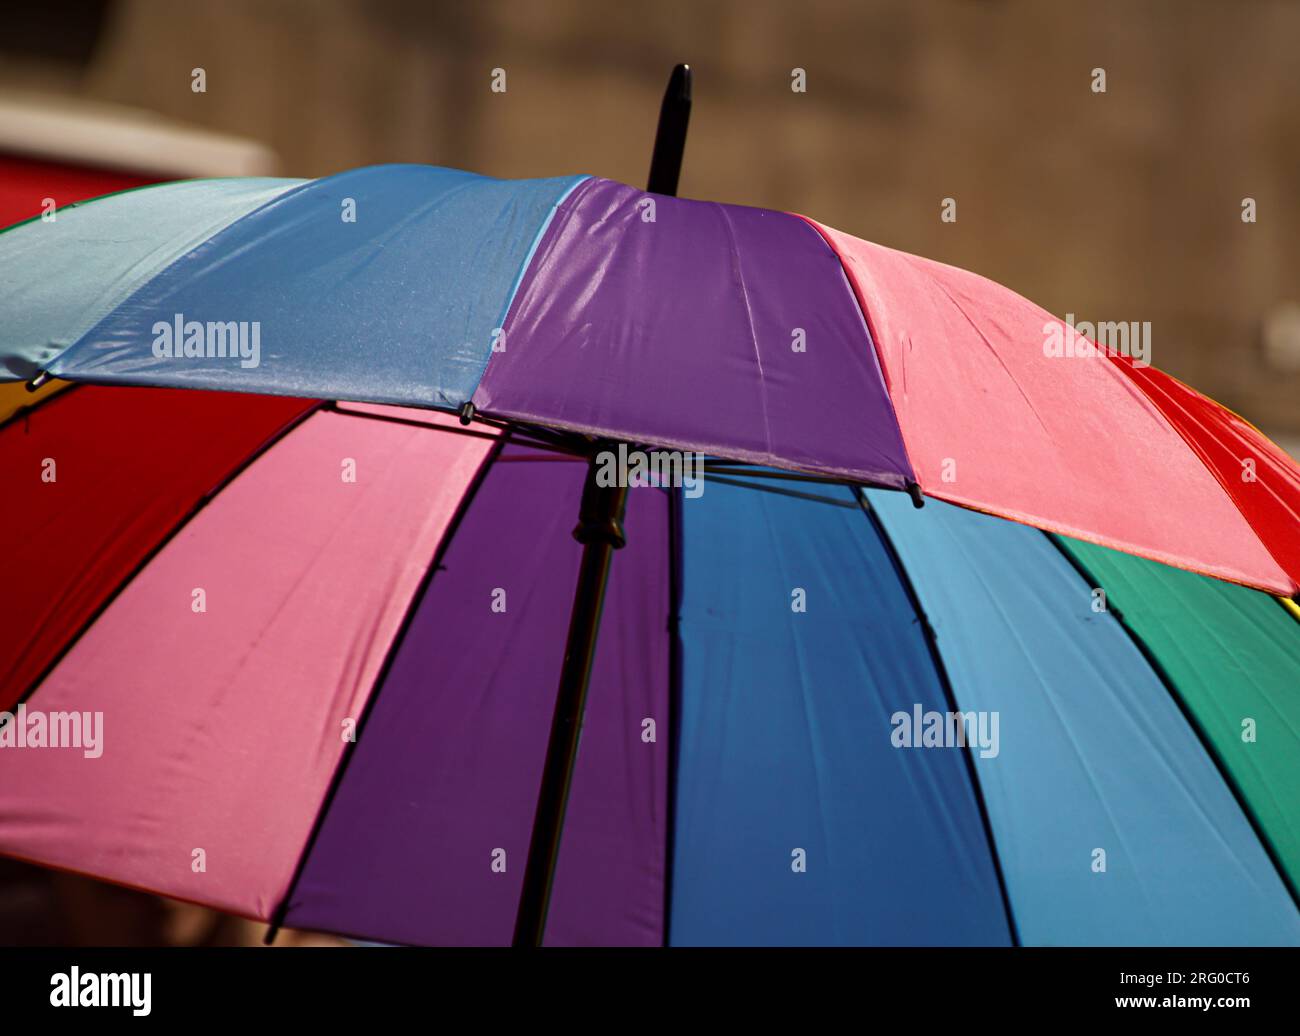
pixel 324 638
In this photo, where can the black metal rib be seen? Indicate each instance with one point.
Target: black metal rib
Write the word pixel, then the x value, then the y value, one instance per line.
pixel 731 468
pixel 524 439
pixel 760 488
pixel 675 572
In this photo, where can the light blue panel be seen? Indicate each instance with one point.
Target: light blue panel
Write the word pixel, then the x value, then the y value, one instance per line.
pixel 1094 753
pixel 785 741
pixel 59 278
pixel 381 285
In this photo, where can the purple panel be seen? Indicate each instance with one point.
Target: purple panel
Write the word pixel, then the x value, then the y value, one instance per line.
pixel 684 332
pixel 449 761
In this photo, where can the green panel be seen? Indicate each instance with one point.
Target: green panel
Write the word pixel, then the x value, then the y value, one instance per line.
pixel 1232 654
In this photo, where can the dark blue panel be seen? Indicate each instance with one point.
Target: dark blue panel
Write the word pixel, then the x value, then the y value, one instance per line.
pixel 785 741
pixel 398 306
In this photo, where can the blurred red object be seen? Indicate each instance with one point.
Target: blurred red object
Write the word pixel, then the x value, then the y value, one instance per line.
pixel 25 183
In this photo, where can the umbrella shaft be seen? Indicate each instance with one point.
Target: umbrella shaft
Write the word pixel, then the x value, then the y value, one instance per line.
pixel 600 531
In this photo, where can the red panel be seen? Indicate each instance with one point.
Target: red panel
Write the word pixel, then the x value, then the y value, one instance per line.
pixel 128 465
pixel 1267 492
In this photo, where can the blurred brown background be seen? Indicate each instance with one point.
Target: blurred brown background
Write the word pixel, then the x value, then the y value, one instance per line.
pixel 1117 206
pixel 1123 205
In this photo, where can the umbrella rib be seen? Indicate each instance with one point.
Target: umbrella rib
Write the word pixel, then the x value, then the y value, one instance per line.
pixel 523 435
pixel 277 918
pixel 815 498
pixel 941 670
pixel 1197 728
pixel 676 563
pixel 736 467
pixel 158 547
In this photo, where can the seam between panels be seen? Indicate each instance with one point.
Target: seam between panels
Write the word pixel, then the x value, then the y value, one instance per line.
pixel 1221 481
pixel 238 469
pixel 114 194
pixel 738 270
pixel 873 338
pixel 296 188
pixel 580 183
pixel 950 695
pixel 675 584
pixel 1055 528
pixel 278 915
pixel 1197 729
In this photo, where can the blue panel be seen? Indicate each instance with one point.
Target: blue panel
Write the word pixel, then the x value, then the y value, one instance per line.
pixel 396 306
pixel 785 743
pixel 61 277
pixel 1094 754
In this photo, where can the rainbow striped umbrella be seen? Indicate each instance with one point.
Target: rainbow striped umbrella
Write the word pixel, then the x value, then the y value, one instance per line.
pixel 299 660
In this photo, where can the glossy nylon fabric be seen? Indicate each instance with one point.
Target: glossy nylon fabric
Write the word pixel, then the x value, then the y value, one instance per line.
pixel 1262 480
pixel 785 741
pixel 399 306
pixel 448 765
pixel 1232 655
pixel 404 305
pixel 1094 751
pixel 222 728
pixel 1061 442
pixel 716 328
pixel 61 277
pixel 128 465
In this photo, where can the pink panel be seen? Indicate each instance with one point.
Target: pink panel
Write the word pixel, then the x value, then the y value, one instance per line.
pixel 222 729
pixel 1065 443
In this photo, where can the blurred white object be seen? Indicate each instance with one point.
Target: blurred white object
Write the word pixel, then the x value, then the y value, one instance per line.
pixel 107 136
pixel 1282 337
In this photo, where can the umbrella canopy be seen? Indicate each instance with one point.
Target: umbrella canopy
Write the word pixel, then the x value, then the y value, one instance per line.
pixel 590 306
pixel 796 731
pixel 236 583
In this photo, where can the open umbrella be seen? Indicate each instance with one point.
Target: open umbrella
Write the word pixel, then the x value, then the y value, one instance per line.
pixel 325 638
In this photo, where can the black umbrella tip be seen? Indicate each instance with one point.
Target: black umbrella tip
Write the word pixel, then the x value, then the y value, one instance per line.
pixel 670 138
pixel 679 83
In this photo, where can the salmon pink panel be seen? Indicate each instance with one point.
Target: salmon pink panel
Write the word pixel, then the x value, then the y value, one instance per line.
pixel 219 685
pixel 998 418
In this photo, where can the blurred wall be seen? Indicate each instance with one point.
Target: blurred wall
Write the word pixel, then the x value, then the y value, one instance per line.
pixel 1123 205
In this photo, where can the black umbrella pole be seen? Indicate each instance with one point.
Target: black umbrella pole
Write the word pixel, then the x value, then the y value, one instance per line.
pixel 600 531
